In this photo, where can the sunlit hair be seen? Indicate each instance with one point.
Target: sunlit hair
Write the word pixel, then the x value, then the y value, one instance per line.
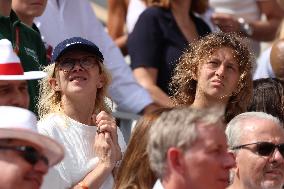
pixel 183 85
pixel 50 100
pixel 198 6
pixel 177 128
pixel 135 172
pixel 268 96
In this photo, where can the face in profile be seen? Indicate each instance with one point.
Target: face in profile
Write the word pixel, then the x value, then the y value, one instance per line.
pixel 218 75
pixel 16 171
pixel 209 158
pixel 14 93
pixel 256 168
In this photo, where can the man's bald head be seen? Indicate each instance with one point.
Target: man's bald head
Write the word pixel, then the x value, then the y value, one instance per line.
pixel 277 58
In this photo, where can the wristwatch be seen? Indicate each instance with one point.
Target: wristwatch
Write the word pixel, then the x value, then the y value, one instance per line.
pixel 245 27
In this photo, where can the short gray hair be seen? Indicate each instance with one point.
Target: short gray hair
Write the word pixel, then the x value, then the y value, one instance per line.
pixel 234 129
pixel 176 128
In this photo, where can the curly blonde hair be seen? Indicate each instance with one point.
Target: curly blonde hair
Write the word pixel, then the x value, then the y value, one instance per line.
pixel 50 100
pixel 183 85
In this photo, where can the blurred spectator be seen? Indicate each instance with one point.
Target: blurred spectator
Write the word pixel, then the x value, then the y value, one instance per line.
pixel 188 149
pixel 154 52
pixel 63 19
pixel 245 17
pixel 257 143
pixel 13 79
pixel 25 155
pixel 123 15
pixel 73 111
pixel 215 71
pixel 268 96
pixel 134 171
pixel 25 38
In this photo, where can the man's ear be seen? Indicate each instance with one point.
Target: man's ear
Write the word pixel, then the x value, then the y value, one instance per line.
pixel 174 159
pixel 54 84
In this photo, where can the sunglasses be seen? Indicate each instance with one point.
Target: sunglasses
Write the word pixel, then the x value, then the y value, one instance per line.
pixel 264 148
pixel 28 153
pixel 86 62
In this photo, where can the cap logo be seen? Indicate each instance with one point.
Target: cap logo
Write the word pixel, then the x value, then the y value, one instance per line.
pixel 77 42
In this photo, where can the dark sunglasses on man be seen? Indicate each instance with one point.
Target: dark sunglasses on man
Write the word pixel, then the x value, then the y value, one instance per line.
pixel 28 153
pixel 263 148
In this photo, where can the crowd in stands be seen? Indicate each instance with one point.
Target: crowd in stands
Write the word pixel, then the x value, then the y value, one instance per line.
pixel 208 93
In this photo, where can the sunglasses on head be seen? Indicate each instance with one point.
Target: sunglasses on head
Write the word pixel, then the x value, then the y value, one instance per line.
pixel 30 154
pixel 264 148
pixel 86 62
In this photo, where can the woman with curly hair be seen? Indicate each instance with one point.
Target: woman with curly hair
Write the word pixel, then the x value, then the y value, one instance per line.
pixel 73 111
pixel 215 71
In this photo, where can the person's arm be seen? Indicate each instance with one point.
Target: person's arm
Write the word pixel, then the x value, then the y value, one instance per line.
pixel 262 30
pixel 147 77
pixel 117 10
pixel 266 30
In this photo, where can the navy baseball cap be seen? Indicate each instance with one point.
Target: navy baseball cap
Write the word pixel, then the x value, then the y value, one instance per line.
pixel 75 43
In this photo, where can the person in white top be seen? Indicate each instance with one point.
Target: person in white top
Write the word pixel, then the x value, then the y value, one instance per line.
pixel 187 149
pixel 245 17
pixel 72 110
pixel 64 19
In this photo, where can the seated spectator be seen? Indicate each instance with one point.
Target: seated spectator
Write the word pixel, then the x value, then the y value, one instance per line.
pixel 268 97
pixel 188 149
pixel 123 15
pixel 245 17
pixel 257 141
pixel 73 111
pixel 124 90
pixel 26 39
pixel 13 79
pixel 215 71
pixel 134 171
pixel 25 155
pixel 154 53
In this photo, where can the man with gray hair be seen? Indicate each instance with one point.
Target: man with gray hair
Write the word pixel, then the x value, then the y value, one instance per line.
pixel 257 141
pixel 188 149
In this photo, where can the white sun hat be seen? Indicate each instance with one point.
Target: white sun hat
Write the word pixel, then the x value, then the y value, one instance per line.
pixel 11 67
pixel 19 123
